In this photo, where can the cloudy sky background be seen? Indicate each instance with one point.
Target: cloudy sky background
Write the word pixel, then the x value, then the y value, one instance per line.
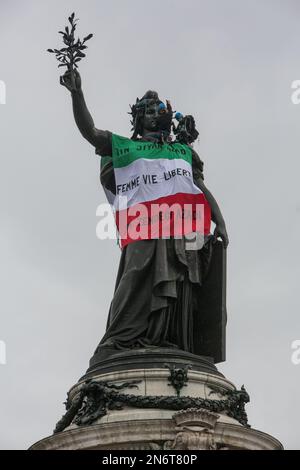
pixel 231 65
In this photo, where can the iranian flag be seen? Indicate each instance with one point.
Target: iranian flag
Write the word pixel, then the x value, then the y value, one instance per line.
pixel 156 196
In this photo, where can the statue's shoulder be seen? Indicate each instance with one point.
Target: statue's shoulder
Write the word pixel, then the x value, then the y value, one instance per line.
pixel 103 145
pixel 109 141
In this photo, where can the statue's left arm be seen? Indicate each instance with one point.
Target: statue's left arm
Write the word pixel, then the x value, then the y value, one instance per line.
pixel 216 214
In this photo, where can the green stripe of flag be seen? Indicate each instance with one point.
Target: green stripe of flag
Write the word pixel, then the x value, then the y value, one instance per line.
pixel 126 151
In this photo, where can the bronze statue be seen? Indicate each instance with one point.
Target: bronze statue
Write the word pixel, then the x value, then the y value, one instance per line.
pixel 162 296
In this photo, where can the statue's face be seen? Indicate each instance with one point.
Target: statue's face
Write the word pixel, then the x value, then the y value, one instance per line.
pixel 157 117
pixel 151 117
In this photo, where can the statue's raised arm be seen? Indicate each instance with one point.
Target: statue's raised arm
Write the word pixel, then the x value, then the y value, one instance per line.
pixel 85 123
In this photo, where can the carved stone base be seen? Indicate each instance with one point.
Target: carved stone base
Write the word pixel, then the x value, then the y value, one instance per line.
pixel 154 434
pixel 170 405
pixel 195 429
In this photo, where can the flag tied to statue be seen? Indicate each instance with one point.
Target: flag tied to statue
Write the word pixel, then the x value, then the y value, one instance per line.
pixel 156 196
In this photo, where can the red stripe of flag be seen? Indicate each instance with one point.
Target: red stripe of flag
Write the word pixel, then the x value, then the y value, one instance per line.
pixel 175 215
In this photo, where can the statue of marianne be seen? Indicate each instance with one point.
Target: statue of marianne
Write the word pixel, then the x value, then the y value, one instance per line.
pixel 157 298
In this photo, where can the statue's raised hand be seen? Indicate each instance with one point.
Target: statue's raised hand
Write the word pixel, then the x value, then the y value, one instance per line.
pixel 71 80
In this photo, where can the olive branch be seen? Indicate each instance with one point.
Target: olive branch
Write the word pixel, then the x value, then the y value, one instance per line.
pixel 70 55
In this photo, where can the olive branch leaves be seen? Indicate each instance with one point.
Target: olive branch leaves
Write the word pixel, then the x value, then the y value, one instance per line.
pixel 72 52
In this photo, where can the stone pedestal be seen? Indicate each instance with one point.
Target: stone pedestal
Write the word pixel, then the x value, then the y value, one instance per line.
pixel 155 400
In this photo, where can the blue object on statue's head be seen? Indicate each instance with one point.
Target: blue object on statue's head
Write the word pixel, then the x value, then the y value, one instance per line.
pixel 178 116
pixel 161 106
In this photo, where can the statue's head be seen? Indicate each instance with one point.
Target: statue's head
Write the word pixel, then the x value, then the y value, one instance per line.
pixel 151 115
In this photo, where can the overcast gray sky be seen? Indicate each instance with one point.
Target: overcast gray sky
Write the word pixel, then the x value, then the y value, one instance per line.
pixel 230 64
